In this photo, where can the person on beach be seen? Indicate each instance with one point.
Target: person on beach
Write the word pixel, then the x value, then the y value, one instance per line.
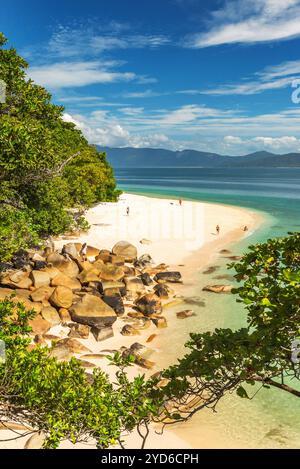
pixel 180 202
pixel 128 211
pixel 217 229
pixel 245 228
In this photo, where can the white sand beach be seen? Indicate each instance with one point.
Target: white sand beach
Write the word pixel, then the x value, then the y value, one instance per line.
pixel 180 235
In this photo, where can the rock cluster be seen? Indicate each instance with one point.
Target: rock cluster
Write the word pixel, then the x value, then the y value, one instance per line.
pixel 88 291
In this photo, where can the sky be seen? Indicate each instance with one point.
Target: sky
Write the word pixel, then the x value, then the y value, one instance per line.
pixel 212 75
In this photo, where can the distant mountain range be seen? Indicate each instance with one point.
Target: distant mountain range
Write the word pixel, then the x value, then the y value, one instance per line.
pixel 156 157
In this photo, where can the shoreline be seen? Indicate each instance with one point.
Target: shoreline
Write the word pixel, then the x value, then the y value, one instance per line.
pixel 190 262
pixel 184 237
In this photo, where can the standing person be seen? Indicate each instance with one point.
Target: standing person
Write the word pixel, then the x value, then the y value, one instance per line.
pixel 218 229
pixel 180 202
pixel 128 211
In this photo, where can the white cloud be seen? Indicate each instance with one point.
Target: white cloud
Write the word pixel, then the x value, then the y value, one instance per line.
pixel 131 111
pixel 102 130
pixel 192 126
pixel 271 78
pixel 142 94
pixel 75 74
pixel 231 140
pixel 279 143
pixel 92 39
pixel 252 87
pixel 250 21
pixel 283 144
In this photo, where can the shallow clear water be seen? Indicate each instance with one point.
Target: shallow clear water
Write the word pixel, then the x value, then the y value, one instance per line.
pixel 272 418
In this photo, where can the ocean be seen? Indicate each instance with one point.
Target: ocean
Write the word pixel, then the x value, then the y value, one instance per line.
pixel 271 419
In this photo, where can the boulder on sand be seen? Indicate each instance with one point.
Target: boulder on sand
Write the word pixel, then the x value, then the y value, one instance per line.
pixel 62 297
pixel 66 266
pixel 51 315
pixel 149 304
pixel 129 330
pixel 172 277
pixel 40 278
pixel 116 303
pixel 71 250
pixel 146 279
pixel 218 288
pixel 102 333
pixel 185 314
pixel 65 281
pixel 143 261
pixel 162 290
pixel 39 325
pixel 111 272
pixel 134 285
pixel 93 311
pixel 17 279
pixel 64 315
pixel 81 331
pixel 160 322
pixel 42 294
pixel 90 275
pixel 126 250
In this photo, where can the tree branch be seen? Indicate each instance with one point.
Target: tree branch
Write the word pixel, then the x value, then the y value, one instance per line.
pixel 283 387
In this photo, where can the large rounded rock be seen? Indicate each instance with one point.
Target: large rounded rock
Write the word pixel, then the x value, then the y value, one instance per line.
pixel 90 275
pixel 80 331
pixel 143 261
pixel 126 250
pixel 51 271
pixel 40 278
pixel 172 277
pixel 65 281
pixel 116 303
pixel 36 441
pixel 111 272
pixel 162 290
pixel 39 325
pixel 102 333
pixel 62 297
pixel 42 294
pixel 64 315
pixel 160 322
pixel 93 311
pixel 185 314
pixel 134 285
pixel 71 250
pixel 129 330
pixel 66 266
pixel 17 279
pixel 51 315
pixel 149 304
pixel 146 279
pixel 104 255
pixel 7 292
pixel 218 288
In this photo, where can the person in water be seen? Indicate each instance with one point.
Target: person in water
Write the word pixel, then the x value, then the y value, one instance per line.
pixel 218 229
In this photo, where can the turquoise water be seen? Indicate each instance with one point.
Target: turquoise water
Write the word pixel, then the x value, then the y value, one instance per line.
pixel 272 418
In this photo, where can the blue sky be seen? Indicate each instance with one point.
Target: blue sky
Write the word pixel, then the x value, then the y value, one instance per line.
pixel 212 75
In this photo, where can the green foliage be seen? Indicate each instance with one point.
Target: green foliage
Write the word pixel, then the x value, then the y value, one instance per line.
pixel 46 165
pixel 60 398
pixel 226 360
